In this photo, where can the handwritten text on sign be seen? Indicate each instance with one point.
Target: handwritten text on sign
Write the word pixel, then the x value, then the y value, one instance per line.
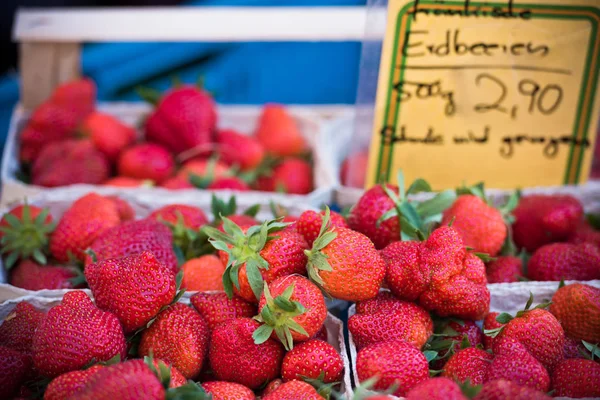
pixel 502 92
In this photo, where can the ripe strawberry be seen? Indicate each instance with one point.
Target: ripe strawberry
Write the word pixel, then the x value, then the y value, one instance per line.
pixel 394 362
pixel 311 359
pixel 502 389
pixel 217 307
pixel 490 323
pixel 209 169
pixel 271 386
pixel 558 261
pixel 177 183
pixel 229 183
pixel 125 181
pixel 544 219
pixel 293 176
pixel 134 288
pixel 203 274
pixel 126 211
pixel 78 95
pixel 353 172
pixel 185 118
pixel 189 216
pixel 469 364
pixel 253 250
pixel 182 325
pixel 576 378
pixel 234 356
pixel 585 233
pixel 221 390
pixel 68 384
pixel 577 308
pixel 69 162
pixel 574 349
pixel 86 219
pixel 15 367
pixel 146 161
pixel 33 276
pixel 133 237
pixel 504 269
pixel 108 134
pixel 16 332
pixel 74 333
pixel 278 133
pixel 345 263
pixel 294 390
pixel 309 224
pixel 455 334
pixel 24 233
pixel 237 149
pixel 436 389
pixel 292 309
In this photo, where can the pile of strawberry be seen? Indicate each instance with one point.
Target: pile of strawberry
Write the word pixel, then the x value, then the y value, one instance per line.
pixel 67 141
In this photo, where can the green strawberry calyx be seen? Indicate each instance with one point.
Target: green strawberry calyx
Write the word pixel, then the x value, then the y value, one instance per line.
pixel 278 316
pixel 505 318
pixel 220 208
pixel 317 260
pixel 325 390
pixel 243 248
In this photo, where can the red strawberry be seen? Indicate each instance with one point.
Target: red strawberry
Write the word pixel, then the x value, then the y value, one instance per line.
pixel 237 149
pixel 436 389
pixel 133 237
pixel 78 94
pixel 311 359
pixel 146 161
pixel 177 183
pixel 293 176
pixel 353 172
pixel 265 184
pixel 394 362
pixel 278 133
pixel 234 356
pixel 489 323
pixel 558 261
pixel 126 211
pixel 574 349
pixel 108 134
pixel 544 219
pixel 292 309
pixel 501 389
pixel 585 233
pixel 455 333
pixel 577 308
pixel 309 224
pixel 86 219
pixel 217 307
pixel 229 183
pixel 69 162
pixel 576 378
pixel 16 332
pixel 468 364
pixel 69 384
pixel 33 276
pixel 504 269
pixel 125 181
pixel 294 390
pixel 204 273
pixel 221 390
pixel 74 333
pixel 191 217
pixel 182 325
pixel 185 118
pixel 211 169
pixel 271 386
pixel 15 367
pixel 134 288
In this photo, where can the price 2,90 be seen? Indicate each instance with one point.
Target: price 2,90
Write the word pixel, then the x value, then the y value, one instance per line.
pixel 543 99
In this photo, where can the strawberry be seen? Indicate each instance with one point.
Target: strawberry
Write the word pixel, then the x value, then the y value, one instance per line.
pixel 436 389
pixel 126 211
pixel 514 363
pixel 574 349
pixel 146 161
pixel 558 261
pixel 292 309
pixel 576 378
pixel 185 118
pixel 177 183
pixel 134 288
pixel 394 362
pixel 490 323
pixel 234 356
pixel 294 389
pixel 16 332
pixel 74 333
pixel 182 325
pixel 278 133
pixel 24 233
pixel 353 171
pixel 68 384
pixel 217 307
pixel 69 162
pixel 229 183
pixel 585 233
pixel 78 94
pixel 108 134
pixel 309 224
pixel 86 219
pixel 203 274
pixel 241 150
pixel 209 169
pixel 544 219
pixel 345 263
pixel 221 390
pixel 504 269
pixel 501 389
pixel 455 334
pixel 133 237
pixel 271 386
pixel 243 221
pixel 15 367
pixel 293 176
pixel 577 308
pixel 188 216
pixel 311 359
pixel 125 181
pixel 33 276
pixel 469 364
pixel 253 256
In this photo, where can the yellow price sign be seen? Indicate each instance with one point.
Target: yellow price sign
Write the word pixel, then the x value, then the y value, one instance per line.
pixel 502 92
